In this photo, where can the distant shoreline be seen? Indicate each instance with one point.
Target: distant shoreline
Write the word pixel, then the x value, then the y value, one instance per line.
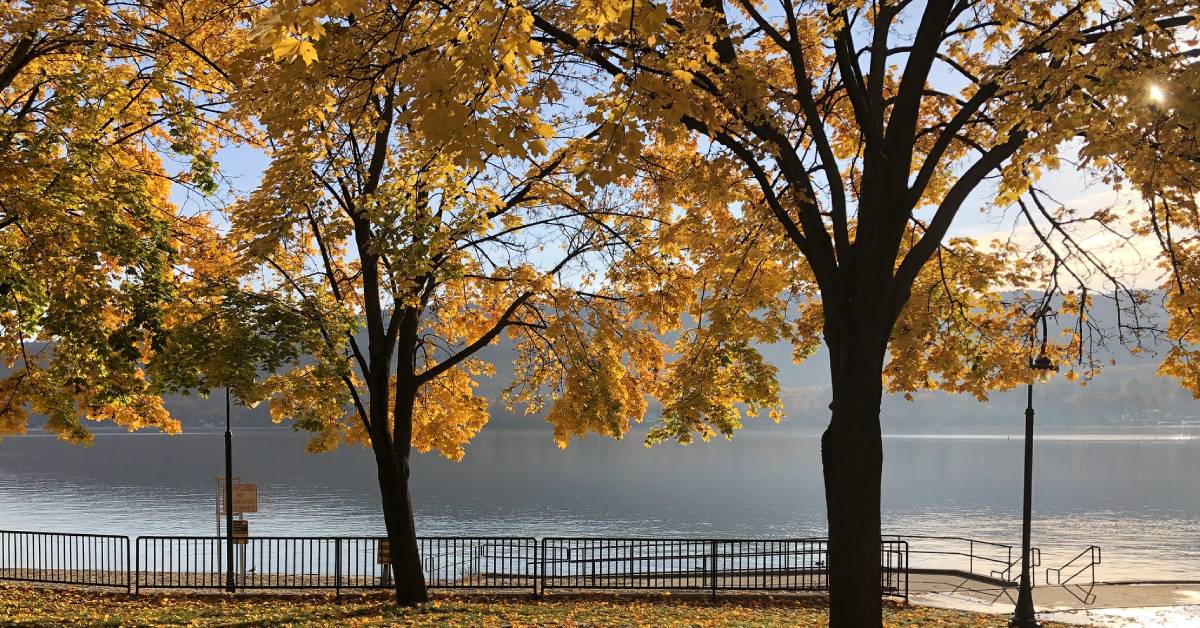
pixel 1098 433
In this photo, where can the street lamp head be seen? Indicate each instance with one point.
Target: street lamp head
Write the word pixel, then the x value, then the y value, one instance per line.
pixel 1043 363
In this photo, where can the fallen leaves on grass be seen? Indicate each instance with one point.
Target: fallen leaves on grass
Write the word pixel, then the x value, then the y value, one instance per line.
pixel 29 606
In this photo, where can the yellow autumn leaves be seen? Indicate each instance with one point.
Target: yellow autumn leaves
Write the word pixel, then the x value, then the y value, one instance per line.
pixel 447 172
pixel 86 608
pixel 94 101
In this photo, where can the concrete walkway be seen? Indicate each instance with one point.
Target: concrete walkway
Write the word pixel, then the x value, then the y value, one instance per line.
pixel 1113 605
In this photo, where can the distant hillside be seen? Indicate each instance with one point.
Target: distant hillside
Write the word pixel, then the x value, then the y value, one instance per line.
pixel 1126 394
pixel 1129 393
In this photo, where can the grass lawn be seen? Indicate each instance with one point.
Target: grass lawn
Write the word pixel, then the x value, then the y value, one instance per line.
pixel 29 606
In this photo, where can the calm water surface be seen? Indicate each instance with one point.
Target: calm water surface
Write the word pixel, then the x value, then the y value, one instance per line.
pixel 1134 496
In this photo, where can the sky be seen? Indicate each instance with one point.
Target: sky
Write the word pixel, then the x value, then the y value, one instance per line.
pixel 242 167
pixel 1121 392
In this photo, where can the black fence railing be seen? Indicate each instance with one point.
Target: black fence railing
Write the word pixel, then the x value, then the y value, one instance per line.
pixel 1080 574
pixel 179 562
pixel 703 564
pixel 970 556
pixel 995 564
pixel 59 558
pixel 480 562
pixel 174 562
pixel 612 563
pixel 893 563
pixel 512 563
pixel 198 562
pixel 1012 573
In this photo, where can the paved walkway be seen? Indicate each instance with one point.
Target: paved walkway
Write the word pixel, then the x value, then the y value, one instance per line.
pixel 1113 605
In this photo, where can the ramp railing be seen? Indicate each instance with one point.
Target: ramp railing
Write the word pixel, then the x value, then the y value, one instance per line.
pixel 1084 563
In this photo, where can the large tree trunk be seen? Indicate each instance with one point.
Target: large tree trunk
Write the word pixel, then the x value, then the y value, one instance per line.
pixel 852 456
pixel 392 454
pixel 408 576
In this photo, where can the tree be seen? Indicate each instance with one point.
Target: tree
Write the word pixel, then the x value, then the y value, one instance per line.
pixel 95 100
pixel 1161 162
pixel 866 128
pixel 417 191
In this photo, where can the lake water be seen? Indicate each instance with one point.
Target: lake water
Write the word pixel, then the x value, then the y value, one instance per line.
pixel 1134 495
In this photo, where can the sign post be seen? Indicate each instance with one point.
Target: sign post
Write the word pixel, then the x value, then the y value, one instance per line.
pixel 383 558
pixel 245 498
pixel 237 531
pixel 238 498
pixel 240 532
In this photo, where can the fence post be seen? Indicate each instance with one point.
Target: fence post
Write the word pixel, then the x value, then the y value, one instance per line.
pixel 337 567
pixel 632 565
pixel 535 563
pixel 128 580
pixel 539 583
pixel 714 569
pixel 137 562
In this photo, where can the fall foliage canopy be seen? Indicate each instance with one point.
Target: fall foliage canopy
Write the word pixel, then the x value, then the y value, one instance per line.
pixel 102 111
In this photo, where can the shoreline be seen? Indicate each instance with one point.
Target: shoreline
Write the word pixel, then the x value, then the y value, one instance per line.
pixel 1118 605
pixel 1117 432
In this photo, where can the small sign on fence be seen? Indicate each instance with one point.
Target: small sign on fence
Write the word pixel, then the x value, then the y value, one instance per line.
pixel 240 532
pixel 245 498
pixel 383 553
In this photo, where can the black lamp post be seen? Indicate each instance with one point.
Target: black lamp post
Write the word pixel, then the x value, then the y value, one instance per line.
pixel 1023 614
pixel 230 582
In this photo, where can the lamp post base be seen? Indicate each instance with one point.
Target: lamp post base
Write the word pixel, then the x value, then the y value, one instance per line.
pixel 1023 614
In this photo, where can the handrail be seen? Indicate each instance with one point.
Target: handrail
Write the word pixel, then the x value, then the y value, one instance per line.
pixel 1035 560
pixel 620 540
pixel 71 534
pixel 950 538
pixel 970 552
pixel 1094 555
pixel 680 556
pixel 963 554
pixel 341 562
pixel 472 558
pixel 1093 550
pixel 65 558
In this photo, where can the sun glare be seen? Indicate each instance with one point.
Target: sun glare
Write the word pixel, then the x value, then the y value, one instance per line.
pixel 1157 94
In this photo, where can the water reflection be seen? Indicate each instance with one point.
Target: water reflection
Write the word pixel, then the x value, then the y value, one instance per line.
pixel 1131 496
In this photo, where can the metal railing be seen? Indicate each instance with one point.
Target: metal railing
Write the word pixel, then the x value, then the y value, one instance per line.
pixel 198 562
pixel 513 563
pixel 97 560
pixel 480 562
pixel 614 563
pixel 703 564
pixel 996 564
pixel 178 562
pixel 1076 567
pixel 360 563
pixel 894 568
pixel 1035 561
pixel 971 556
